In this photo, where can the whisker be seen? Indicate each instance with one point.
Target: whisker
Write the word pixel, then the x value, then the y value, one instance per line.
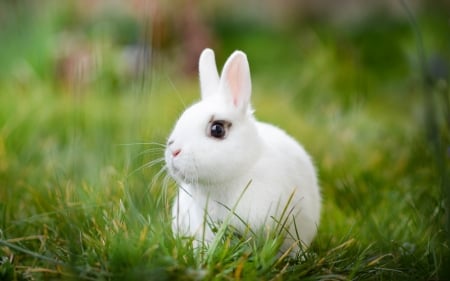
pixel 152 163
pixel 165 189
pixel 147 165
pixel 142 143
pixel 150 151
pixel 166 180
pixel 157 176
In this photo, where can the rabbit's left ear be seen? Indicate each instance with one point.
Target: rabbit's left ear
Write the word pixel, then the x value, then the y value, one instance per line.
pixel 209 77
pixel 235 81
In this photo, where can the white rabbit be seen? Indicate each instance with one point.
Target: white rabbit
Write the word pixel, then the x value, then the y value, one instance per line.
pixel 217 150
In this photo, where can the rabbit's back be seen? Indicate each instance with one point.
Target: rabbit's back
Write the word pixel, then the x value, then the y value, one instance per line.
pixel 284 173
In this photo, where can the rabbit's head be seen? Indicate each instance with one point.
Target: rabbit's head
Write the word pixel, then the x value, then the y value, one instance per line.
pixel 216 139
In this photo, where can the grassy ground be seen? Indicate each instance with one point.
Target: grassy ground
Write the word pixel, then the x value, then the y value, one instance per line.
pixel 78 198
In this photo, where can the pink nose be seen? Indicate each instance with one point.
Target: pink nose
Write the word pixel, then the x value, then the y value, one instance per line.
pixel 176 152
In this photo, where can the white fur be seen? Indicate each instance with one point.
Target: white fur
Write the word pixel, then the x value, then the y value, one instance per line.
pixel 213 173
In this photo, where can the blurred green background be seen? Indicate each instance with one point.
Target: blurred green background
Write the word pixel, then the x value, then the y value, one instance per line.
pixel 88 89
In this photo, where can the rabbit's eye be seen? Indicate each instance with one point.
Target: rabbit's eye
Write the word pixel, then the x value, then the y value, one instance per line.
pixel 218 129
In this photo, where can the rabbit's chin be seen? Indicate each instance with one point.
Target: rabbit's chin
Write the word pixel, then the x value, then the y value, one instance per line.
pixel 180 176
pixel 193 179
pixel 183 177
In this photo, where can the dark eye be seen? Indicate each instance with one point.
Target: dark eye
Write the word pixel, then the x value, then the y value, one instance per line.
pixel 218 129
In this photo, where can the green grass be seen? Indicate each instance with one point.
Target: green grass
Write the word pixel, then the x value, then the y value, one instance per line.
pixel 78 199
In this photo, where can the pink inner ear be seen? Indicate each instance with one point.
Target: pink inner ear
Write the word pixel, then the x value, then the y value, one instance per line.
pixel 235 80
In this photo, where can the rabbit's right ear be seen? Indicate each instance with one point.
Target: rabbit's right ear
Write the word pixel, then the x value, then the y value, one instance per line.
pixel 209 76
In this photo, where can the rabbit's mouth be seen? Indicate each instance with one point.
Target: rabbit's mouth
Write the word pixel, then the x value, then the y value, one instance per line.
pixel 173 169
pixel 182 168
pixel 180 175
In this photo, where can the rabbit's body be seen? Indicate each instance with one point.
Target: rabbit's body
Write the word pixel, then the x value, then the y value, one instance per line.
pixel 213 171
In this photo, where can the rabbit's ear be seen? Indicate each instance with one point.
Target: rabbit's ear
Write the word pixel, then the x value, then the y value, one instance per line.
pixel 209 77
pixel 235 80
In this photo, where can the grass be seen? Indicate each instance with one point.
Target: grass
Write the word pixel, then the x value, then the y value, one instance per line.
pixel 78 199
